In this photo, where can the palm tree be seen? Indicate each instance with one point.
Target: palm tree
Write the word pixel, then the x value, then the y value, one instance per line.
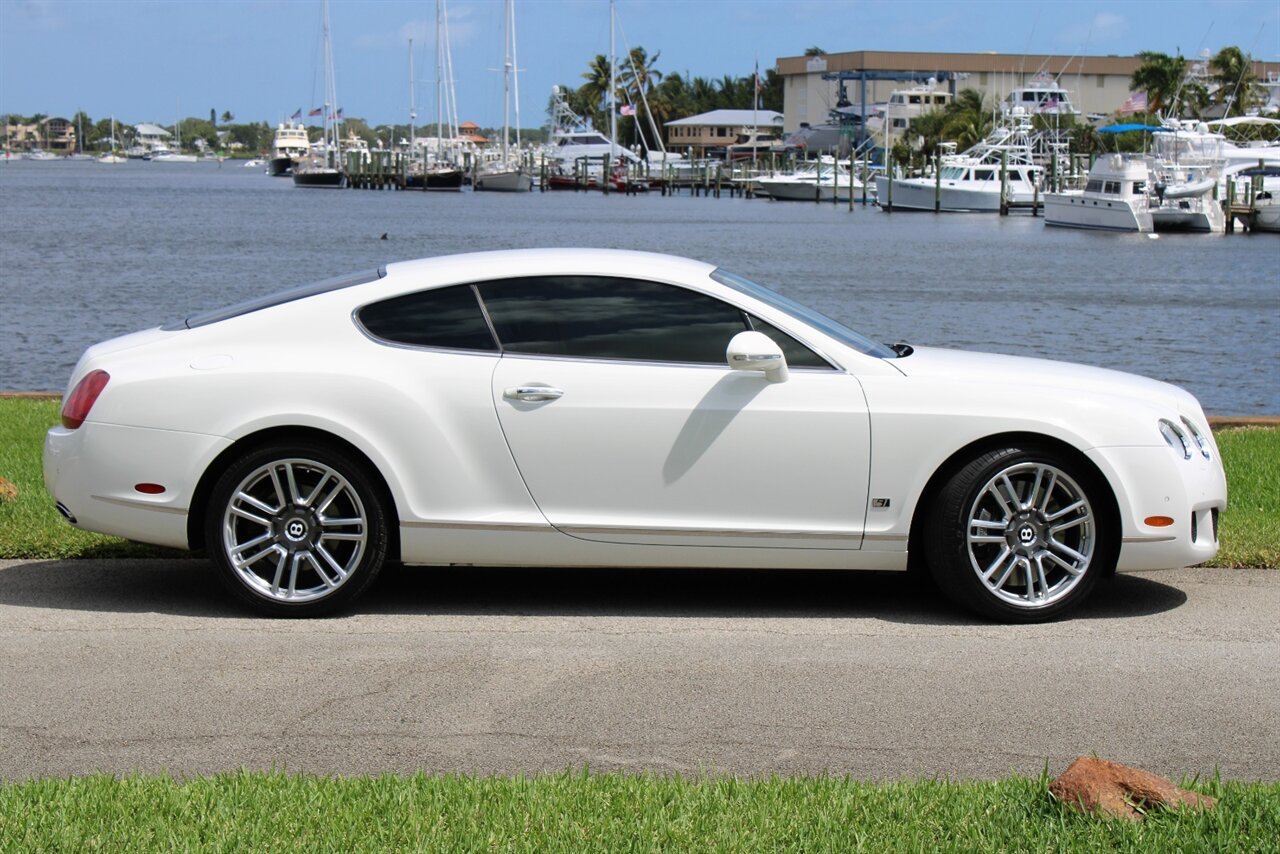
pixel 1161 76
pixel 968 119
pixel 638 73
pixel 595 91
pixel 1233 71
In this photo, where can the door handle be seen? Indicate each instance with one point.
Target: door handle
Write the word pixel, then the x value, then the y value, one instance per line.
pixel 532 393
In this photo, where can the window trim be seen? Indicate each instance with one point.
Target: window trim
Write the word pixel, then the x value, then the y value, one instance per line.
pixel 501 350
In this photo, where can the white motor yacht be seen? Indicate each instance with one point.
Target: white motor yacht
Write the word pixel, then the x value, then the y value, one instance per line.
pixel 824 181
pixel 972 181
pixel 1188 162
pixel 1113 199
pixel 289 145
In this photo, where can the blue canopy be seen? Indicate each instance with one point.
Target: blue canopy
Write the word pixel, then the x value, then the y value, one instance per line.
pixel 1126 128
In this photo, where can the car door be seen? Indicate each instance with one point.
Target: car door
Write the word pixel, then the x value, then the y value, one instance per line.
pixel 628 426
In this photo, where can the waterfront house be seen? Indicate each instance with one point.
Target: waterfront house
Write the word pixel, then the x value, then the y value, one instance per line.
pixel 710 134
pixel 150 137
pixel 54 134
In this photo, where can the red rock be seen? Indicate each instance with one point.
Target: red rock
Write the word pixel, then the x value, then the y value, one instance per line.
pixel 1107 788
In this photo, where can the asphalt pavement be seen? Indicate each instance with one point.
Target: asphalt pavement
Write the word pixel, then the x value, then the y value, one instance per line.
pixel 146 665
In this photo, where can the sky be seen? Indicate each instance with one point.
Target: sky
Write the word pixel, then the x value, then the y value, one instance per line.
pixel 157 60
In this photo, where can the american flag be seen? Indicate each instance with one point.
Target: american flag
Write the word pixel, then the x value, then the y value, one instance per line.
pixel 297 115
pixel 318 111
pixel 1135 103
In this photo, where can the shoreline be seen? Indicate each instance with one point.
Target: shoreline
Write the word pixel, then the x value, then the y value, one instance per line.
pixel 1217 422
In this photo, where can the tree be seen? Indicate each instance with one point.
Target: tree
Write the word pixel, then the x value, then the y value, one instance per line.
pixel 595 92
pixel 1233 72
pixel 1161 76
pixel 80 121
pixel 814 51
pixel 227 117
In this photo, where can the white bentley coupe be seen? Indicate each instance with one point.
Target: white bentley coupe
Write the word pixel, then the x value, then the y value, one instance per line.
pixel 604 408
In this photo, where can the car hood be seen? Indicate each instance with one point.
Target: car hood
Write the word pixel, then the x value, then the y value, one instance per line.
pixel 1020 372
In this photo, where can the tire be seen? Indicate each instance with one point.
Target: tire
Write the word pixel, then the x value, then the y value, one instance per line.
pixel 297 529
pixel 1020 535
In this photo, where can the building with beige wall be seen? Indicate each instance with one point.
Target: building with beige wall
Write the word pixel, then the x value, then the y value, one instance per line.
pixel 54 134
pixel 1097 84
pixel 719 129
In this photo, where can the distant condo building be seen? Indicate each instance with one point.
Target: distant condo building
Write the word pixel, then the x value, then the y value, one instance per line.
pixel 1096 84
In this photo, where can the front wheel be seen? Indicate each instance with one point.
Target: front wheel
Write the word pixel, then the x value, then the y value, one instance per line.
pixel 296 530
pixel 1019 535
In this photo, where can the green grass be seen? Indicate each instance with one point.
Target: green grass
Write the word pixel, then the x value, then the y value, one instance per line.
pixel 1250 532
pixel 580 812
pixel 31 528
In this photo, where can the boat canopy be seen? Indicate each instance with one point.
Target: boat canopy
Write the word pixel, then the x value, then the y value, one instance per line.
pixel 1127 128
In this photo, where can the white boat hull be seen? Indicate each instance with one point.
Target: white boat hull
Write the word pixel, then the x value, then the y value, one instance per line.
pixel 918 194
pixel 511 181
pixel 1267 217
pixel 1072 210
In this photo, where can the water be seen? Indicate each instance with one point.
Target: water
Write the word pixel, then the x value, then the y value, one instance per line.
pixel 90 251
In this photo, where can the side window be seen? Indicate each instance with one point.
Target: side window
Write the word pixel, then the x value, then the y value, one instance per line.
pixel 798 355
pixel 607 318
pixel 448 317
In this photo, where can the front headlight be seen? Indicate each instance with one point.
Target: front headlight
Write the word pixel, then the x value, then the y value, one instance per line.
pixel 1177 439
pixel 1201 442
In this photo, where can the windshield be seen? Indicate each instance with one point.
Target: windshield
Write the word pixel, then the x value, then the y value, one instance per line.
pixel 791 308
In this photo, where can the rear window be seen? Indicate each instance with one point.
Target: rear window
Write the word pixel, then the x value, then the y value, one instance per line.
pixel 447 317
pixel 278 298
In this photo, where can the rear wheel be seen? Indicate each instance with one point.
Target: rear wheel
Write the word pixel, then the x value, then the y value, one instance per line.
pixel 1019 535
pixel 297 529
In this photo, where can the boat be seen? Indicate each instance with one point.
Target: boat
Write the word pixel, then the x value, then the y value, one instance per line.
pixel 111 157
pixel 322 168
pixel 890 121
pixel 289 145
pixel 824 180
pixel 1266 213
pixel 1188 161
pixel 166 155
pixel 999 169
pixel 38 153
pixel 1113 199
pixel 507 175
pixel 1041 96
pixel 439 173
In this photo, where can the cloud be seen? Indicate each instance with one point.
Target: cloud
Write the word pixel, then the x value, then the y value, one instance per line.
pixel 422 32
pixel 1105 27
pixel 39 14
pixel 462 31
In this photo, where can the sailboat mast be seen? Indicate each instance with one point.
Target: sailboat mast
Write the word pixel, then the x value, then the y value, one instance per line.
pixel 439 86
pixel 613 118
pixel 413 101
pixel 506 82
pixel 515 72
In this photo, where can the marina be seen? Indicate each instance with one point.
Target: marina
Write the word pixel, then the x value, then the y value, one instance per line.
pixel 91 252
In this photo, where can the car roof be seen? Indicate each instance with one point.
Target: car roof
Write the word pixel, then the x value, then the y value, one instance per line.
pixel 478 266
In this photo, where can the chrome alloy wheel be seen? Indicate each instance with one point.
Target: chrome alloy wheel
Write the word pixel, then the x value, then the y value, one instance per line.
pixel 1030 535
pixel 294 530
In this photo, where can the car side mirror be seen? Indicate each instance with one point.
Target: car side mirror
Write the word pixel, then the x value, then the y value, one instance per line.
pixel 755 351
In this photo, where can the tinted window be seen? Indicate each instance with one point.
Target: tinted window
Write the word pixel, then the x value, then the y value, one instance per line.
pixel 607 318
pixel 449 317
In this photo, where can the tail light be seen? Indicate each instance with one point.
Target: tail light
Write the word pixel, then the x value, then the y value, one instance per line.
pixel 82 398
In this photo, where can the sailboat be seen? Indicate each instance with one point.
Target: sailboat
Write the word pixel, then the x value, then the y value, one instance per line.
pixel 79 153
pixel 507 175
pixel 439 173
pixel 111 156
pixel 323 168
pixel 165 155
